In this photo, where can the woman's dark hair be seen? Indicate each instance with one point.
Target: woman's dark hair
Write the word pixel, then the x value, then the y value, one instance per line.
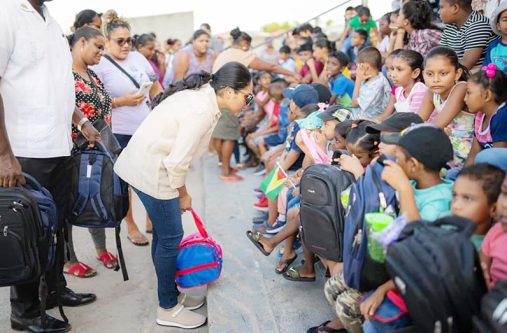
pixel 443 51
pixel 363 11
pixel 496 84
pixel 198 33
pixel 238 36
pixel 83 18
pixel 490 177
pixel 140 41
pixel 112 22
pixel 306 27
pixel 357 136
pixel 419 14
pixel 342 58
pixel 309 109
pixel 172 41
pixel 414 59
pixel 323 43
pixel 85 32
pixel 233 75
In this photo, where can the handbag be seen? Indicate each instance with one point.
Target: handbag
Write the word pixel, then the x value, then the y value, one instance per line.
pixel 199 260
pixel 108 138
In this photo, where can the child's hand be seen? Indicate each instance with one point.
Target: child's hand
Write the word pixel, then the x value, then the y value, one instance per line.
pixel 394 175
pixel 362 73
pixel 371 305
pixel 351 164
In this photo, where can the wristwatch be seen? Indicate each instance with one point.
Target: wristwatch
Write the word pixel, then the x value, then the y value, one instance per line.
pixel 81 123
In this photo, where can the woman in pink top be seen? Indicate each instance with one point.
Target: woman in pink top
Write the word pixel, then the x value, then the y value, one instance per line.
pixel 194 57
pixel 406 73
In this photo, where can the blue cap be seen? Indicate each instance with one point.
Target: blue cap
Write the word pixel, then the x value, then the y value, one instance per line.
pixel 302 95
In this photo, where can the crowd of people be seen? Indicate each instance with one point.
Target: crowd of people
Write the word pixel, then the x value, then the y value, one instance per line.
pixel 426 85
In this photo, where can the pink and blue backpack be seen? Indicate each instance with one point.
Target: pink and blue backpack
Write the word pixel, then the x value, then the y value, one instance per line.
pixel 199 259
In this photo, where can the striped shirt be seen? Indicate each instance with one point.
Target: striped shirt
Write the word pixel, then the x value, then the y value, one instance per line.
pixel 474 34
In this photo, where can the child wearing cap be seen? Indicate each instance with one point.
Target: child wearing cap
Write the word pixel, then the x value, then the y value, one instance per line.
pixel 372 90
pixel 423 150
pixel 496 52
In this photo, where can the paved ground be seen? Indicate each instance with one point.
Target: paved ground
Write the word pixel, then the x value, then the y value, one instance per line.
pixel 249 297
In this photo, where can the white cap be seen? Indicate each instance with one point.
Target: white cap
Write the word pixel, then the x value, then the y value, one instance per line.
pixel 494 17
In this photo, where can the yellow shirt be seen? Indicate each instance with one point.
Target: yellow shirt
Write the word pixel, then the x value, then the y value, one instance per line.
pixel 177 131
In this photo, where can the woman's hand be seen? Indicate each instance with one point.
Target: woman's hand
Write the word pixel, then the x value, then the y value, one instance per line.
pixel 185 203
pixel 91 134
pixel 132 99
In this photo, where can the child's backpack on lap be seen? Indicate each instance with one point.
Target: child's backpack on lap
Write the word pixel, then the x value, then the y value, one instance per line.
pixel 437 271
pixel 199 260
pixel 493 317
pixel 99 199
pixel 322 212
pixel 368 195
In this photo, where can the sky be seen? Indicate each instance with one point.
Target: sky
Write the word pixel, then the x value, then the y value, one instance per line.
pixel 222 15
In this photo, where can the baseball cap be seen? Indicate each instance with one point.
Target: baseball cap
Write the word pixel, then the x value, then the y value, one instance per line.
pixel 323 92
pixel 302 95
pixel 494 17
pixel 396 122
pixel 336 113
pixel 428 144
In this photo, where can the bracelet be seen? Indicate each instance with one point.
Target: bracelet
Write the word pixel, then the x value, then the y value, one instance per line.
pixel 81 123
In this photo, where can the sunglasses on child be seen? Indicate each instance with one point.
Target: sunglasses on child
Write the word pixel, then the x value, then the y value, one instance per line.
pixel 123 41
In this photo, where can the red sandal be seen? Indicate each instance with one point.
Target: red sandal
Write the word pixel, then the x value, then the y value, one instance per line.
pixel 108 260
pixel 80 270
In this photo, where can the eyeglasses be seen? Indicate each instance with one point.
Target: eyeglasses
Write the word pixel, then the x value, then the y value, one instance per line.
pixel 123 41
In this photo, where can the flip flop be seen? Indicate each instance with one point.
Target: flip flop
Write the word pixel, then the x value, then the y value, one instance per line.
pixel 254 237
pixel 232 178
pixel 315 329
pixel 108 260
pixel 292 274
pixel 286 264
pixel 138 240
pixel 80 270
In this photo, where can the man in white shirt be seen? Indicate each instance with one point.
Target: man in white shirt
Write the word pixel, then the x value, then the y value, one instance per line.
pixel 37 107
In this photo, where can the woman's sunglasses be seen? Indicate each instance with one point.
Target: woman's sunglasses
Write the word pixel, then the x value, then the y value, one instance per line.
pixel 123 41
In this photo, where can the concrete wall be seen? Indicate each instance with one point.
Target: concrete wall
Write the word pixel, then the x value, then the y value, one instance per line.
pixel 176 25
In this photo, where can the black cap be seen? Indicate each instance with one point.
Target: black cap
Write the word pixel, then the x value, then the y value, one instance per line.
pixel 396 122
pixel 336 113
pixel 428 144
pixel 323 91
pixel 302 95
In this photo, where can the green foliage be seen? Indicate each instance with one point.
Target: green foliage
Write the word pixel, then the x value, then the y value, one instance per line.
pixel 276 26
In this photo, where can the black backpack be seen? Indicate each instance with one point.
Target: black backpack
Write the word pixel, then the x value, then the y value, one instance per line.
pixel 437 271
pixel 493 318
pixel 322 213
pixel 23 243
pixel 98 198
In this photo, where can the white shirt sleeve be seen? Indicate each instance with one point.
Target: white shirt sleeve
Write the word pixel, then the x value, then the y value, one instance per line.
pixel 6 42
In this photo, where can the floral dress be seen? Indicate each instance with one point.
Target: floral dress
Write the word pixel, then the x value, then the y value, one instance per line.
pixel 462 129
pixel 91 99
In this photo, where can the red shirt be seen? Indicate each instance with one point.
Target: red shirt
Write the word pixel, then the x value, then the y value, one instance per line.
pixel 306 69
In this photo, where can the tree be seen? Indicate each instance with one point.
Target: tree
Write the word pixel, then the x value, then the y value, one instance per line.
pixel 275 26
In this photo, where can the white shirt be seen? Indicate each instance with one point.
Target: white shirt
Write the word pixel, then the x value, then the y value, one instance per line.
pixel 36 82
pixel 177 131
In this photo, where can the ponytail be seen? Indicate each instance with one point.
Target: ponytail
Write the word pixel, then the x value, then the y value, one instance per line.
pixel 232 74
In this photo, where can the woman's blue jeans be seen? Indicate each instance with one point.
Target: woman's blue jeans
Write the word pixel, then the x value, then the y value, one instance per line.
pixel 165 216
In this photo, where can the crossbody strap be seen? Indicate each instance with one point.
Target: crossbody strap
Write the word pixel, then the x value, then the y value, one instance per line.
pixel 122 70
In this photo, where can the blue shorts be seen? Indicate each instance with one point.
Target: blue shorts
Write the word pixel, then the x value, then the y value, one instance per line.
pixel 273 140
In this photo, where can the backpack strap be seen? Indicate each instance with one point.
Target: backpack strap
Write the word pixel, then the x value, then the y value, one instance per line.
pixel 121 257
pixel 94 188
pixel 318 155
pixel 83 189
pixel 378 183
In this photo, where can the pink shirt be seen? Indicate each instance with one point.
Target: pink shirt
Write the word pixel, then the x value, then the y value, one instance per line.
pixel 411 103
pixel 495 247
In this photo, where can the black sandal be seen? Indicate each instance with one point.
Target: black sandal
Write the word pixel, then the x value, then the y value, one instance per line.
pixel 286 264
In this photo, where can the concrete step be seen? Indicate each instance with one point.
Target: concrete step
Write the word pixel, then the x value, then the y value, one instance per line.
pixel 250 296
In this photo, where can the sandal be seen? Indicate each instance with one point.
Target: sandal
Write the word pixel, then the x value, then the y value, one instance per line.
pixel 80 270
pixel 108 260
pixel 292 274
pixel 254 237
pixel 315 329
pixel 231 178
pixel 139 239
pixel 285 265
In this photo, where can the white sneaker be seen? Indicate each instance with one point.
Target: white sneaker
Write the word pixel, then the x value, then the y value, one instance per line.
pixel 180 317
pixel 189 302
